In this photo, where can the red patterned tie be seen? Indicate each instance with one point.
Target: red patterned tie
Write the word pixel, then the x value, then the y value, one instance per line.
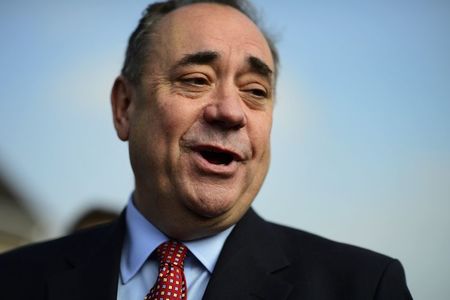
pixel 170 284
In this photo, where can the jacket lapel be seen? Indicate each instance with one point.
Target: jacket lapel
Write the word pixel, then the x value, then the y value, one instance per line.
pixel 245 268
pixel 247 263
pixel 91 273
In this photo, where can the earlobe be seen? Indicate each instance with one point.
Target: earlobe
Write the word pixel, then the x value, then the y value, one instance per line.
pixel 120 102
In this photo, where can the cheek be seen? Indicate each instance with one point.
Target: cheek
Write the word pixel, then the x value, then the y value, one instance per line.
pixel 260 134
pixel 168 119
pixel 175 117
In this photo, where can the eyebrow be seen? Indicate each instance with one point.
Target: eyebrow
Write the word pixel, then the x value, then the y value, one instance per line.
pixel 198 58
pixel 259 67
pixel 207 57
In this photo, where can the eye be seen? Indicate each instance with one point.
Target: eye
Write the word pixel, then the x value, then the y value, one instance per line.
pixel 192 84
pixel 195 80
pixel 256 91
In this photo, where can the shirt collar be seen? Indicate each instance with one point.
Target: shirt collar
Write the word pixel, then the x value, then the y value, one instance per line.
pixel 142 238
pixel 207 250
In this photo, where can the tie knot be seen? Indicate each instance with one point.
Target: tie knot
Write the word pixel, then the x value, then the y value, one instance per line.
pixel 172 252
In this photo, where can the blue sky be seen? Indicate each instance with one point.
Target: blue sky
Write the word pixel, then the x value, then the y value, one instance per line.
pixel 361 136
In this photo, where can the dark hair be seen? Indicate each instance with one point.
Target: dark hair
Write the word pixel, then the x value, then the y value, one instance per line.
pixel 139 41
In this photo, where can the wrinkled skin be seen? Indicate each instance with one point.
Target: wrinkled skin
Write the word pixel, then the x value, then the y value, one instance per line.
pixel 198 124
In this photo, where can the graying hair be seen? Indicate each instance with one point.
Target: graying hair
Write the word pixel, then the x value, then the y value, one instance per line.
pixel 139 42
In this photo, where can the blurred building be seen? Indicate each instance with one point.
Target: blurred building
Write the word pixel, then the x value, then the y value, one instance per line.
pixel 92 217
pixel 18 225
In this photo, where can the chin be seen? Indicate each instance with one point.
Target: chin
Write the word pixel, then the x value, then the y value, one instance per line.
pixel 215 205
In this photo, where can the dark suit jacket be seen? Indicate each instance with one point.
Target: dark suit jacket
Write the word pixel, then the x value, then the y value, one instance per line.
pixel 260 260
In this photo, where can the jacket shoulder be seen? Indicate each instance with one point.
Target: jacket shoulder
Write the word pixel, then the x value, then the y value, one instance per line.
pixel 349 271
pixel 326 253
pixel 295 241
pixel 42 257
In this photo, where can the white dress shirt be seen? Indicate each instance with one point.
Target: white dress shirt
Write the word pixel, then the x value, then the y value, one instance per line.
pixel 139 267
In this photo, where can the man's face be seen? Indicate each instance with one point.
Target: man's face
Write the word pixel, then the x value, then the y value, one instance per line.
pixel 200 121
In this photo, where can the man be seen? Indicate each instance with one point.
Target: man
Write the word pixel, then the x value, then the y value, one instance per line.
pixel 195 102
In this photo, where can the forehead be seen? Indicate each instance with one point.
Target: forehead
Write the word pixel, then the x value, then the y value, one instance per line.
pixel 206 27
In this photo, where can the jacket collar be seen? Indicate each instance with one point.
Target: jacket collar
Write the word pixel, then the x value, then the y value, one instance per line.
pixel 247 264
pixel 91 273
pixel 245 267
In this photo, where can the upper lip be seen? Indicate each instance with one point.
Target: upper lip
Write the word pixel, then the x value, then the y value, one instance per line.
pixel 219 149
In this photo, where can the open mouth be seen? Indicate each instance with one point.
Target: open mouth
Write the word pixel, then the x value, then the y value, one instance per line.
pixel 216 156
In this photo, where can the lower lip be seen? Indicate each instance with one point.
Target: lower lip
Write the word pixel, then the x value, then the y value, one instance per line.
pixel 214 169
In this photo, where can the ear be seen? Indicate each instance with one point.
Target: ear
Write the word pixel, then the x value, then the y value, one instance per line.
pixel 121 101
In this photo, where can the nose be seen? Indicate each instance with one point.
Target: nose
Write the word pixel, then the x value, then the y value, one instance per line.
pixel 226 112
